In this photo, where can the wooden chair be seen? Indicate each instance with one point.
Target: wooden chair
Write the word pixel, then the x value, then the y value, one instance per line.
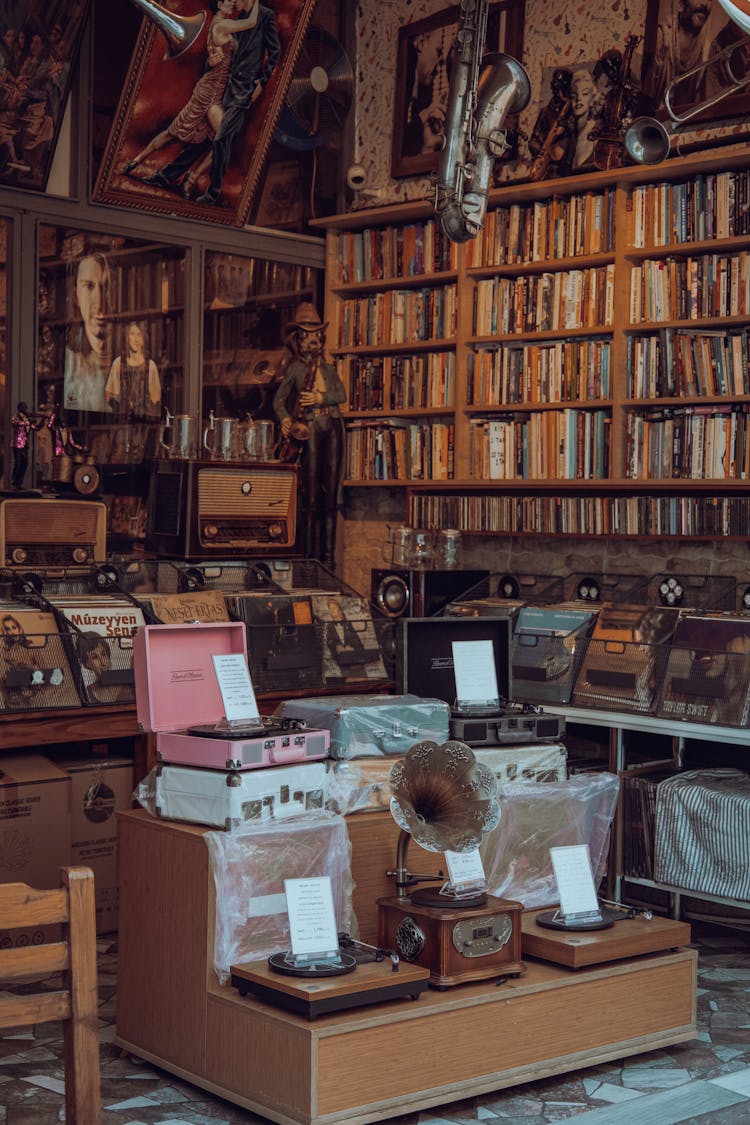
pixel 76 1003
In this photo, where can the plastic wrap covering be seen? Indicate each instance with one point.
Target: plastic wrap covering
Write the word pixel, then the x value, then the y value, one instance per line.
pixel 703 832
pixel 535 818
pixel 360 785
pixel 249 869
pixel 365 726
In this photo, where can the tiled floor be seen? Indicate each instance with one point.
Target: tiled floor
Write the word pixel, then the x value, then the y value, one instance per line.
pixel 706 1082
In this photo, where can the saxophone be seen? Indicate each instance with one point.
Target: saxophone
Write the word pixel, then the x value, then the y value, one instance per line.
pixel 479 100
pixel 291 445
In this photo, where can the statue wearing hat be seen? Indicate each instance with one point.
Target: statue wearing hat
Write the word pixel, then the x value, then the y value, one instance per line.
pixel 307 406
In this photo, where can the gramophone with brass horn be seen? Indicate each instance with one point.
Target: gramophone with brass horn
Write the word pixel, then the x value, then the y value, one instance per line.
pixel 180 32
pixel 649 140
pixel 445 801
pixel 482 93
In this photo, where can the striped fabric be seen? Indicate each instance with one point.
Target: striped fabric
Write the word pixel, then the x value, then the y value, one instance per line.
pixel 703 832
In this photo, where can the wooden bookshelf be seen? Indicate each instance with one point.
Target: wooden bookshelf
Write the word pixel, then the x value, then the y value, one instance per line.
pixel 595 378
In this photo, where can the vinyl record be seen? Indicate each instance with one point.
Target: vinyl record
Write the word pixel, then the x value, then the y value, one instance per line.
pixel 319 95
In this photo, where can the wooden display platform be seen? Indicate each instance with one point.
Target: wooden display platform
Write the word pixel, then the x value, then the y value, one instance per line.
pixel 629 937
pixel 376 1062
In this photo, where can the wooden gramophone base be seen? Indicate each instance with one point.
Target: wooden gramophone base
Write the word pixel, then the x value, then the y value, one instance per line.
pixel 455 945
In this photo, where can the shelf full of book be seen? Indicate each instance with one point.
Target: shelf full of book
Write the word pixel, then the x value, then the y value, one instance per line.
pixel 578 368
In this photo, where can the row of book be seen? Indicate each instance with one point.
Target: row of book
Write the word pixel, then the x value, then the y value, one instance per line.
pixel 698 364
pixel 399 450
pixel 713 205
pixel 708 285
pixel 658 516
pixel 379 253
pixel 544 302
pixel 398 316
pixel 558 371
pixel 542 445
pixel 535 232
pixel 155 282
pixel 233 279
pixel 692 442
pixel 421 380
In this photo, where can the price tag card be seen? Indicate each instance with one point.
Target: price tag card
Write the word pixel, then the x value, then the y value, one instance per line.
pixel 312 920
pixel 236 687
pixel 575 881
pixel 474 669
pixel 465 869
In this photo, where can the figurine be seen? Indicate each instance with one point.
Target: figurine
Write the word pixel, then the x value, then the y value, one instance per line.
pixel 22 426
pixel 313 429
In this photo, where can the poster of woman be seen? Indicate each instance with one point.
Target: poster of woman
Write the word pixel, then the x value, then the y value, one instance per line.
pixel 193 126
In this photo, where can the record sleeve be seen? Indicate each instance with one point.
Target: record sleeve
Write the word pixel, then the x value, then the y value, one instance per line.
pixel 35 670
pixel 548 646
pixel 351 651
pixel 625 657
pixel 102 636
pixel 707 678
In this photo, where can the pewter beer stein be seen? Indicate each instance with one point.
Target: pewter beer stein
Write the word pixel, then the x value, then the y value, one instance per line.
pixel 177 436
pixel 220 438
pixel 258 440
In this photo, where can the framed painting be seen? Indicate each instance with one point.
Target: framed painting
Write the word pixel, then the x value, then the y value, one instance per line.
pixel 691 49
pixel 194 124
pixel 423 80
pixel 39 43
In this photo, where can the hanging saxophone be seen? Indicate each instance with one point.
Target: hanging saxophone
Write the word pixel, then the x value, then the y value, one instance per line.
pixel 483 92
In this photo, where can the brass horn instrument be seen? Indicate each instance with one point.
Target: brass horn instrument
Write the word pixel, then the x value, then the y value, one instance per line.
pixel 649 140
pixel 180 32
pixel 483 92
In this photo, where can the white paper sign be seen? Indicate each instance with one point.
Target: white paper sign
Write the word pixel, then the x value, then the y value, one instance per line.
pixel 474 669
pixel 575 882
pixel 465 867
pixel 236 687
pixel 312 920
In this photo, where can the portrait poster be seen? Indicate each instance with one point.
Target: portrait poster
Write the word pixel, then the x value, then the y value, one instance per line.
pixel 423 79
pixel 39 44
pixel 194 125
pixel 695 36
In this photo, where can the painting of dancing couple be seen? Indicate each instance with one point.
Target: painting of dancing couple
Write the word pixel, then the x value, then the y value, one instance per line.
pixel 198 111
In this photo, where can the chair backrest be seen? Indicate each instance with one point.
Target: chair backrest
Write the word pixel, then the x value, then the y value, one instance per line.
pixel 74 956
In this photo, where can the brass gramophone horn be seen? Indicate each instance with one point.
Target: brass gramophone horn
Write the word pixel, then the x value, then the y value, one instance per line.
pixel 180 32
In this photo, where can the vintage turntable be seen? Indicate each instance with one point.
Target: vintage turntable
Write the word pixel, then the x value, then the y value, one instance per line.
pixel 445 800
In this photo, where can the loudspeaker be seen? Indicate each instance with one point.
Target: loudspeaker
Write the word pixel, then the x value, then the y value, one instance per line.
pixel 219 511
pixel 419 593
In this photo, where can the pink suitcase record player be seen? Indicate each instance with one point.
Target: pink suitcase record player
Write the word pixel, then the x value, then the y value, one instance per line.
pixel 178 697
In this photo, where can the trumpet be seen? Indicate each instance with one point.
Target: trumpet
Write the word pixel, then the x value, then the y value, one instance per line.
pixel 649 140
pixel 180 32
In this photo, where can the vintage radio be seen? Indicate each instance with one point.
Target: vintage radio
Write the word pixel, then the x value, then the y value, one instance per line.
pixel 213 510
pixel 40 532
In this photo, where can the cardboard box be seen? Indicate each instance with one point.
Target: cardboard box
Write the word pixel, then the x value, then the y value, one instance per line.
pixel 35 797
pixel 100 787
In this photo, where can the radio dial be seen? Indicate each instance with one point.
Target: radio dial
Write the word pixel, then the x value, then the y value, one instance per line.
pixel 246 487
pixel 275 531
pixel 210 531
pixel 18 555
pixel 79 555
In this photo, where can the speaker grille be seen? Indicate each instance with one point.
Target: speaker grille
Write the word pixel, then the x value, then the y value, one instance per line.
pixel 230 492
pixel 48 522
